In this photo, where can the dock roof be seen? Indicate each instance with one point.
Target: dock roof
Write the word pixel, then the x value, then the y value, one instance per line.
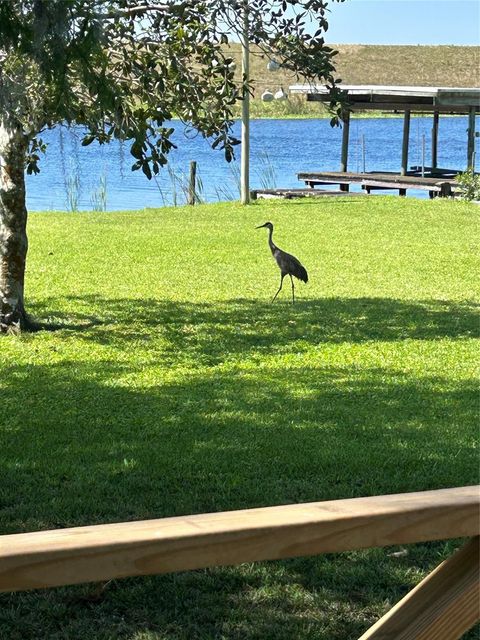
pixel 399 98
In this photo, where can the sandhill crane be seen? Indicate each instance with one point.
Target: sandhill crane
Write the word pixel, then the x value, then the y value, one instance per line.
pixel 288 264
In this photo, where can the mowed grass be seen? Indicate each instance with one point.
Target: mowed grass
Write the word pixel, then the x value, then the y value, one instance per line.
pixel 172 386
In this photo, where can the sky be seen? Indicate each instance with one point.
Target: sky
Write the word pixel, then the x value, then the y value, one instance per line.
pixel 404 22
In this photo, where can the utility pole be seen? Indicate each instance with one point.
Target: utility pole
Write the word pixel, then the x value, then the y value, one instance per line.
pixel 245 164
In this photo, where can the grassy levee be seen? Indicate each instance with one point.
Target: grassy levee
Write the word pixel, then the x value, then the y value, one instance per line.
pixel 171 385
pixel 433 66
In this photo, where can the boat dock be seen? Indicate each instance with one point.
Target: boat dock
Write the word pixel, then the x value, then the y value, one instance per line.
pixel 375 180
pixel 436 186
pixel 425 100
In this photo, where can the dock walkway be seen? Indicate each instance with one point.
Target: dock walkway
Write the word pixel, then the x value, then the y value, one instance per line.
pixel 435 186
pixel 438 186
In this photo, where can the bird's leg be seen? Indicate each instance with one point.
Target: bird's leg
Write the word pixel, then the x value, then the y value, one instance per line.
pixel 280 288
pixel 293 290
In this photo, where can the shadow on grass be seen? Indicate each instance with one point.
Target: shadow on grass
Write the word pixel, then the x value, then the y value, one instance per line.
pixel 84 443
pixel 213 330
pixel 81 447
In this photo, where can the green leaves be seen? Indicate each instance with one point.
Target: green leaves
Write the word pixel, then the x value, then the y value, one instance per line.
pixel 87 140
pixel 37 146
pixel 122 69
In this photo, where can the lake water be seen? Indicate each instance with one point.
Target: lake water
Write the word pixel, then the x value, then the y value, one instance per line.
pixel 89 177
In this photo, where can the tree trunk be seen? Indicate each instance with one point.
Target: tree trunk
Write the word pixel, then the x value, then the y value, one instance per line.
pixel 13 230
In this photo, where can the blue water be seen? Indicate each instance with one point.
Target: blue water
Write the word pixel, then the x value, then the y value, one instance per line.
pixel 279 150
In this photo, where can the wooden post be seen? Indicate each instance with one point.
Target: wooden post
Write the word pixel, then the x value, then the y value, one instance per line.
pixel 345 135
pixel 423 155
pixel 471 137
pixel 406 134
pixel 443 606
pixel 363 153
pixel 192 191
pixel 436 117
pixel 445 190
pixel 245 167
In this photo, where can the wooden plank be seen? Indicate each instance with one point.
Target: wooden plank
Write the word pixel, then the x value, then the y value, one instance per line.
pixel 399 184
pixel 442 607
pixel 331 181
pixel 84 554
pixel 299 193
pixel 394 105
pixel 444 187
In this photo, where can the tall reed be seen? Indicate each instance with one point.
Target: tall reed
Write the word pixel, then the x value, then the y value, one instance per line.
pixel 177 191
pixel 71 180
pixel 266 171
pixel 72 191
pixel 230 190
pixel 98 197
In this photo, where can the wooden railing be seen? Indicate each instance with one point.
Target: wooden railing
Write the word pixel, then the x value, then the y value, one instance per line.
pixel 443 606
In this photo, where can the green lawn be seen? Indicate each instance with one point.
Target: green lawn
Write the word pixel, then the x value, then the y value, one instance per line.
pixel 173 386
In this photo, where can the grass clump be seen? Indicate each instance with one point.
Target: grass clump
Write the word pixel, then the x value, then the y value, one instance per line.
pixel 173 386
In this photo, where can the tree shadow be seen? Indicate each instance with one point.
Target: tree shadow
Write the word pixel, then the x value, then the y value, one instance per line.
pixel 205 440
pixel 83 446
pixel 210 331
pixel 86 442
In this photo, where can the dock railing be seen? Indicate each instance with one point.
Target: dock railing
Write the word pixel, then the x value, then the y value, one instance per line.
pixel 442 607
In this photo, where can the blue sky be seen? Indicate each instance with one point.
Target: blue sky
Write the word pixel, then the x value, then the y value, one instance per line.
pixel 404 22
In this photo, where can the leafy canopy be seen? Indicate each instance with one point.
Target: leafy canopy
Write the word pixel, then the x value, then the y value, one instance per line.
pixel 124 68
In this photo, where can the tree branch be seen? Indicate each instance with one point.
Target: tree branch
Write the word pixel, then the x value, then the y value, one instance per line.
pixel 144 8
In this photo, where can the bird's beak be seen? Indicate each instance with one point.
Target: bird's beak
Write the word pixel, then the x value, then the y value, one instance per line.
pixel 260 226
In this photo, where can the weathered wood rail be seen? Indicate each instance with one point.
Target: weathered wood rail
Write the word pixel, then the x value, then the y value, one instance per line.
pixel 445 600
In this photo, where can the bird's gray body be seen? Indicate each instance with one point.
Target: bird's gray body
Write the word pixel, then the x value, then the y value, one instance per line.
pixel 289 265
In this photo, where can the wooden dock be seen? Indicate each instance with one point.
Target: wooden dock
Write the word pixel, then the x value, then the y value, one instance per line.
pixel 433 100
pixel 288 194
pixel 435 186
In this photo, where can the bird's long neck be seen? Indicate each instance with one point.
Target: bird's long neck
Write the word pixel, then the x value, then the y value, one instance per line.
pixel 270 241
